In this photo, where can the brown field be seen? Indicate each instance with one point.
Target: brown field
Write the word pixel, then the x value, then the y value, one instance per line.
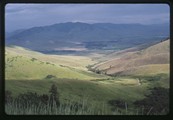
pixel 148 59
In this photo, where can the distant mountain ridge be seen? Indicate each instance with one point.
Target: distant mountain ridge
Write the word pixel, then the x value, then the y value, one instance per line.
pixel 84 35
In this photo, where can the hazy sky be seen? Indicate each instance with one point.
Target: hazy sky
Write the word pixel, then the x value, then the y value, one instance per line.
pixel 20 16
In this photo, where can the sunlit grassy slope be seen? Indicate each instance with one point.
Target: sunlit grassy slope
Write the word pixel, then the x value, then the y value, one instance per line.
pixel 79 62
pixel 27 64
pixel 147 70
pixel 26 70
pixel 151 60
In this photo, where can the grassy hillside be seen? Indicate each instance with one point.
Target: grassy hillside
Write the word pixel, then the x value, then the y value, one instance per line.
pixel 102 90
pixel 148 70
pixel 26 64
pixel 139 70
pixel 79 62
pixel 134 61
pixel 94 93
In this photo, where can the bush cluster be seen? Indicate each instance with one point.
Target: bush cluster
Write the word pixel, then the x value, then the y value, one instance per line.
pixel 117 104
pixel 33 99
pixel 156 102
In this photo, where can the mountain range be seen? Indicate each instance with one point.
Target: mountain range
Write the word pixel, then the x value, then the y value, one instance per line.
pixel 84 36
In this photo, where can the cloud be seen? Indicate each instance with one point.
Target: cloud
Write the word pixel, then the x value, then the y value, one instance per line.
pixel 29 15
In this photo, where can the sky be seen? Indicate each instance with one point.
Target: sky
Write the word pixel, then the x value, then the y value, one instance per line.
pixel 23 16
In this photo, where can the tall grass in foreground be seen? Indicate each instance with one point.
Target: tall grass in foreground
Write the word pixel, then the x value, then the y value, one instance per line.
pixel 155 103
pixel 70 108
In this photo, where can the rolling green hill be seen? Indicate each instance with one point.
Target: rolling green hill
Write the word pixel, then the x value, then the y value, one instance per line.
pixel 139 70
pixel 26 64
pixel 27 70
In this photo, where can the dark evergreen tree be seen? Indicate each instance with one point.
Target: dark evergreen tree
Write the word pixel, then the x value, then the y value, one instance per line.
pixel 54 95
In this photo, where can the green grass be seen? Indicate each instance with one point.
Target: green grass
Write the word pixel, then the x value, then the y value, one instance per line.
pixel 162 79
pixel 25 71
pixel 70 88
pixel 98 92
pixel 72 61
pixel 22 67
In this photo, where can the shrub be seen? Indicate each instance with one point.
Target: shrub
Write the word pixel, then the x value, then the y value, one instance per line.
pixel 33 59
pixel 157 100
pixel 98 71
pixel 8 97
pixel 28 99
pixel 117 103
pixel 44 99
pixel 50 77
